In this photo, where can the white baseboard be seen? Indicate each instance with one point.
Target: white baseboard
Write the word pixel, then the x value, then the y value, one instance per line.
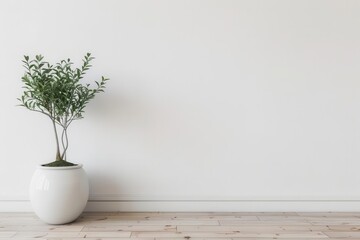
pixel 225 206
pixel 15 206
pixel 202 206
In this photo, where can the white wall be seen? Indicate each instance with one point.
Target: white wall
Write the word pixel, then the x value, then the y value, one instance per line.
pixel 208 101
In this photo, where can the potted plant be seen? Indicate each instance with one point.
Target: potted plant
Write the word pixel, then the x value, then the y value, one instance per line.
pixel 59 190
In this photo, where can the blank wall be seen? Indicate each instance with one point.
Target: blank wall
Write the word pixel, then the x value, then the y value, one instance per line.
pixel 209 101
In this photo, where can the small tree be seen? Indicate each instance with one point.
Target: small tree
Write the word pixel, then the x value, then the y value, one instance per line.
pixel 56 91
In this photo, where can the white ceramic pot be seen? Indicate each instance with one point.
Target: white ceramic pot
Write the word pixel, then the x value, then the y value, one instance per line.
pixel 59 194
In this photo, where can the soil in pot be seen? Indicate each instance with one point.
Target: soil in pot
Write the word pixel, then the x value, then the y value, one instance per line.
pixel 59 163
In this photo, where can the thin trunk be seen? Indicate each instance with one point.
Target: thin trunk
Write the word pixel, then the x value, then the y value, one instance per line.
pixel 64 134
pixel 65 143
pixel 58 157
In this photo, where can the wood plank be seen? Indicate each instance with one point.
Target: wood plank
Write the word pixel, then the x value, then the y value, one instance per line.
pixel 169 217
pixel 81 238
pixel 71 234
pixel 143 228
pixel 148 222
pixel 253 228
pixel 41 228
pixel 344 228
pixel 7 234
pixel 187 235
pixel 341 222
pixel 276 223
pixel 309 219
pixel 329 214
pixel 348 235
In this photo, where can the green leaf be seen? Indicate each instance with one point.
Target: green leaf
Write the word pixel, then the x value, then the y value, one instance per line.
pixel 55 90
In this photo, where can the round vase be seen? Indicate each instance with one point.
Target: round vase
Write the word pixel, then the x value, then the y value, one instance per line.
pixel 59 195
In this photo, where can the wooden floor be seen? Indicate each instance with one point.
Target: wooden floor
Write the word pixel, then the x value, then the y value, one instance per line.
pixel 195 226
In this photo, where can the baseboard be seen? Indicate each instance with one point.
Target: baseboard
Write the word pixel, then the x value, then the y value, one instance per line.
pixel 225 206
pixel 15 206
pixel 202 206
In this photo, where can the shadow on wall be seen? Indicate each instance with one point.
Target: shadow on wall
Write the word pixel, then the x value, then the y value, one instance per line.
pixel 105 182
pixel 118 109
